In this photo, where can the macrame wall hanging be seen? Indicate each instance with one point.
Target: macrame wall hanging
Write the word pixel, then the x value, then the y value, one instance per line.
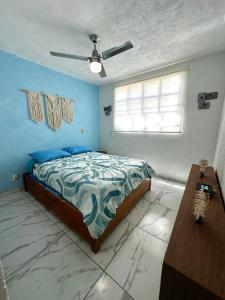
pixel 57 108
pixel 53 111
pixel 35 106
pixel 67 110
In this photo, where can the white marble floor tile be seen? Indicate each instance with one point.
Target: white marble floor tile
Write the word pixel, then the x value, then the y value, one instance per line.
pixel 9 193
pixel 73 235
pixel 56 221
pixel 3 287
pixel 156 189
pixel 105 288
pixel 175 185
pixel 132 256
pixel 62 271
pixel 159 221
pixel 138 211
pixel 171 198
pixel 159 181
pixel 36 202
pixel 12 197
pixel 109 247
pixel 23 236
pixel 137 266
pixel 11 208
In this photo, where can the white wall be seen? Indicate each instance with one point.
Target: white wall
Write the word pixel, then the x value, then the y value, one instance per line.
pixel 219 162
pixel 171 155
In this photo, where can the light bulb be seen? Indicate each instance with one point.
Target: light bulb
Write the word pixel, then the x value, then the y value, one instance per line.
pixel 95 67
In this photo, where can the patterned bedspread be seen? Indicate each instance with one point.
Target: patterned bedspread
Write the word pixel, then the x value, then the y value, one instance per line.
pixel 94 183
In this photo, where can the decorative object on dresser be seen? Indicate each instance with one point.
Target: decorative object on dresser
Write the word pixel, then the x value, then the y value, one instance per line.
pixel 199 205
pixel 207 188
pixel 194 264
pixel 203 166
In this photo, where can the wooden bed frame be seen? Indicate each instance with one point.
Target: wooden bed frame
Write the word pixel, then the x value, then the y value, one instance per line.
pixel 71 216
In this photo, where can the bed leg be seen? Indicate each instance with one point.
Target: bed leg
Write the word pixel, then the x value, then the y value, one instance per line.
pixel 95 246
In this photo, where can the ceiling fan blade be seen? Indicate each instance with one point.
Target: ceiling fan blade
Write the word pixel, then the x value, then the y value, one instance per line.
pixel 117 50
pixel 79 57
pixel 102 73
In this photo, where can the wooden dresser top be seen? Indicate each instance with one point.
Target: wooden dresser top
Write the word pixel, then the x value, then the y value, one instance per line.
pixel 198 251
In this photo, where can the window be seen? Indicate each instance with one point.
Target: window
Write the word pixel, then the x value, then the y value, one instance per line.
pixel 154 105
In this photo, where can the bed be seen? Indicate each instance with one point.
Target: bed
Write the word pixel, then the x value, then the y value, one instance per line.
pixel 90 192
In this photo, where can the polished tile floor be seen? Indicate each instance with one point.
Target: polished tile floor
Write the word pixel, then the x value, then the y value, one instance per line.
pixel 43 259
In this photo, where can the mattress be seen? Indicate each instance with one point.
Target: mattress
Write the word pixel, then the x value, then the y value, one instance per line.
pixel 94 183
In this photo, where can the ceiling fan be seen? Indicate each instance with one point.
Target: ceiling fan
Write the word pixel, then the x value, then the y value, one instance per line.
pixel 96 65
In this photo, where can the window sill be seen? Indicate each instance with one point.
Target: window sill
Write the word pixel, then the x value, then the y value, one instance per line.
pixel 145 132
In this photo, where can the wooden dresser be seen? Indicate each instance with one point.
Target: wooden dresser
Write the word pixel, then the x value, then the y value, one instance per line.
pixel 194 263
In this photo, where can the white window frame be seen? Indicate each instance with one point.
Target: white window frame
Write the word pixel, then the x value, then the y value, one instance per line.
pixel 179 106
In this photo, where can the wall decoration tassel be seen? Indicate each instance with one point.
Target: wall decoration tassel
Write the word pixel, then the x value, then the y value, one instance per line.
pixel 35 106
pixel 53 111
pixel 67 110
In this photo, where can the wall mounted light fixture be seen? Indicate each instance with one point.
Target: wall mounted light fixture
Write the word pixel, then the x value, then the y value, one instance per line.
pixel 203 99
pixel 107 110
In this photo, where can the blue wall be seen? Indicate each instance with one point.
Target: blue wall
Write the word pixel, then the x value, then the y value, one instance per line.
pixel 19 135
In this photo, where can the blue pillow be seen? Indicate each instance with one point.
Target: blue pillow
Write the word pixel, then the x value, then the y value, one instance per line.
pixel 43 156
pixel 77 149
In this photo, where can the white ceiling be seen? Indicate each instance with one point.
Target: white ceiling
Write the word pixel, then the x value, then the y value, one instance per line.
pixel 162 31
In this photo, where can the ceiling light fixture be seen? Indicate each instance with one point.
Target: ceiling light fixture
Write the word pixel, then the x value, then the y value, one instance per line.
pixel 95 65
pixel 95 60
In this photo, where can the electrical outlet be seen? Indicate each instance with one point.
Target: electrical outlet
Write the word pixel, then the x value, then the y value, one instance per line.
pixel 15 177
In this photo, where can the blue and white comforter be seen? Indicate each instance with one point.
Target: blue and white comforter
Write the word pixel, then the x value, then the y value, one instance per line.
pixel 94 183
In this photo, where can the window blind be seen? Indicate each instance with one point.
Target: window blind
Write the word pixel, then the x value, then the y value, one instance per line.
pixel 154 105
